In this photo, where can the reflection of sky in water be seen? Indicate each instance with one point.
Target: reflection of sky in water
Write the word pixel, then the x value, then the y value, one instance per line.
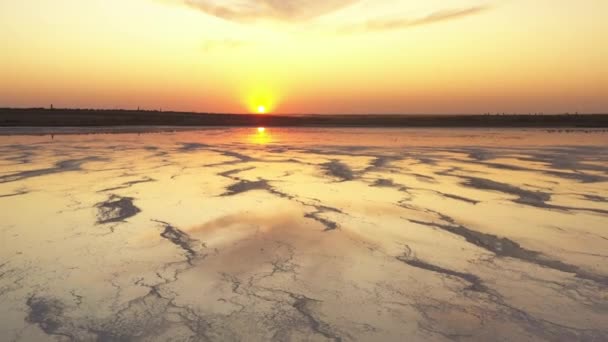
pixel 261 136
pixel 324 136
pixel 308 233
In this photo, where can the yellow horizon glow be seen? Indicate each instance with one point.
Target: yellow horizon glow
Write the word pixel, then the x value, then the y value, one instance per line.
pixel 543 56
pixel 260 99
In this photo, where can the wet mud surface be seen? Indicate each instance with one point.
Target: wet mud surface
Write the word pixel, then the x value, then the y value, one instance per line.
pixel 304 235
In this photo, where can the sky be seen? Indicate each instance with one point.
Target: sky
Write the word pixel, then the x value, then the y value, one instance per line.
pixel 307 56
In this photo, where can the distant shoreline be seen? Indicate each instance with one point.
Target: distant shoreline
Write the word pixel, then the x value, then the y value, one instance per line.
pixel 39 117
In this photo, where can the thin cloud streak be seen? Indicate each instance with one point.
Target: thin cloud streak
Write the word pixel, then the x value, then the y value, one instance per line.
pixel 248 11
pixel 402 23
pixel 285 10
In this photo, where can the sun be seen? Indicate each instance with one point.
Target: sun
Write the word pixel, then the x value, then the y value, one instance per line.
pixel 260 100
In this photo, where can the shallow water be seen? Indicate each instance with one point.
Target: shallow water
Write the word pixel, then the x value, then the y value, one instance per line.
pixel 304 234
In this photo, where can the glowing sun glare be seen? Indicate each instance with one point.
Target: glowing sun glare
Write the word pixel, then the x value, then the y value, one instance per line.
pixel 261 109
pixel 261 129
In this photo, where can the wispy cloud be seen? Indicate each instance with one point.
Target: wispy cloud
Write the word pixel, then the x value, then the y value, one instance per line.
pixel 249 10
pixel 401 23
pixel 299 10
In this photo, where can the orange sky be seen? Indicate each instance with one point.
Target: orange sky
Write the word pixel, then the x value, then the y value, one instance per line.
pixel 307 56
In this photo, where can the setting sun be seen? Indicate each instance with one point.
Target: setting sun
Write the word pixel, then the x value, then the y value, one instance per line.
pixel 261 99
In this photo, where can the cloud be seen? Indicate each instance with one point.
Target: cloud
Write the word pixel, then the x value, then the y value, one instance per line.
pixel 401 23
pixel 248 11
pixel 286 10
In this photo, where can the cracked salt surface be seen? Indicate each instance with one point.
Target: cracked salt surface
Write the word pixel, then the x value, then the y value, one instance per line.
pixel 304 234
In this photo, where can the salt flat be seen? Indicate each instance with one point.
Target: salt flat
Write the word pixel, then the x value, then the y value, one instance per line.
pixel 304 235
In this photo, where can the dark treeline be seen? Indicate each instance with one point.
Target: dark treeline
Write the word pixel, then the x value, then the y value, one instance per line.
pixel 40 117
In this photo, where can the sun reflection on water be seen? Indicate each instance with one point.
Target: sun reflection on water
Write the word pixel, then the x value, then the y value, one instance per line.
pixel 261 136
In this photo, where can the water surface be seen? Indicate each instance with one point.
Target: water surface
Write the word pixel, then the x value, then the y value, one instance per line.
pixel 303 235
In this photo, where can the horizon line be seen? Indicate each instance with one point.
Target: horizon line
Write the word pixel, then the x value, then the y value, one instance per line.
pixel 161 110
